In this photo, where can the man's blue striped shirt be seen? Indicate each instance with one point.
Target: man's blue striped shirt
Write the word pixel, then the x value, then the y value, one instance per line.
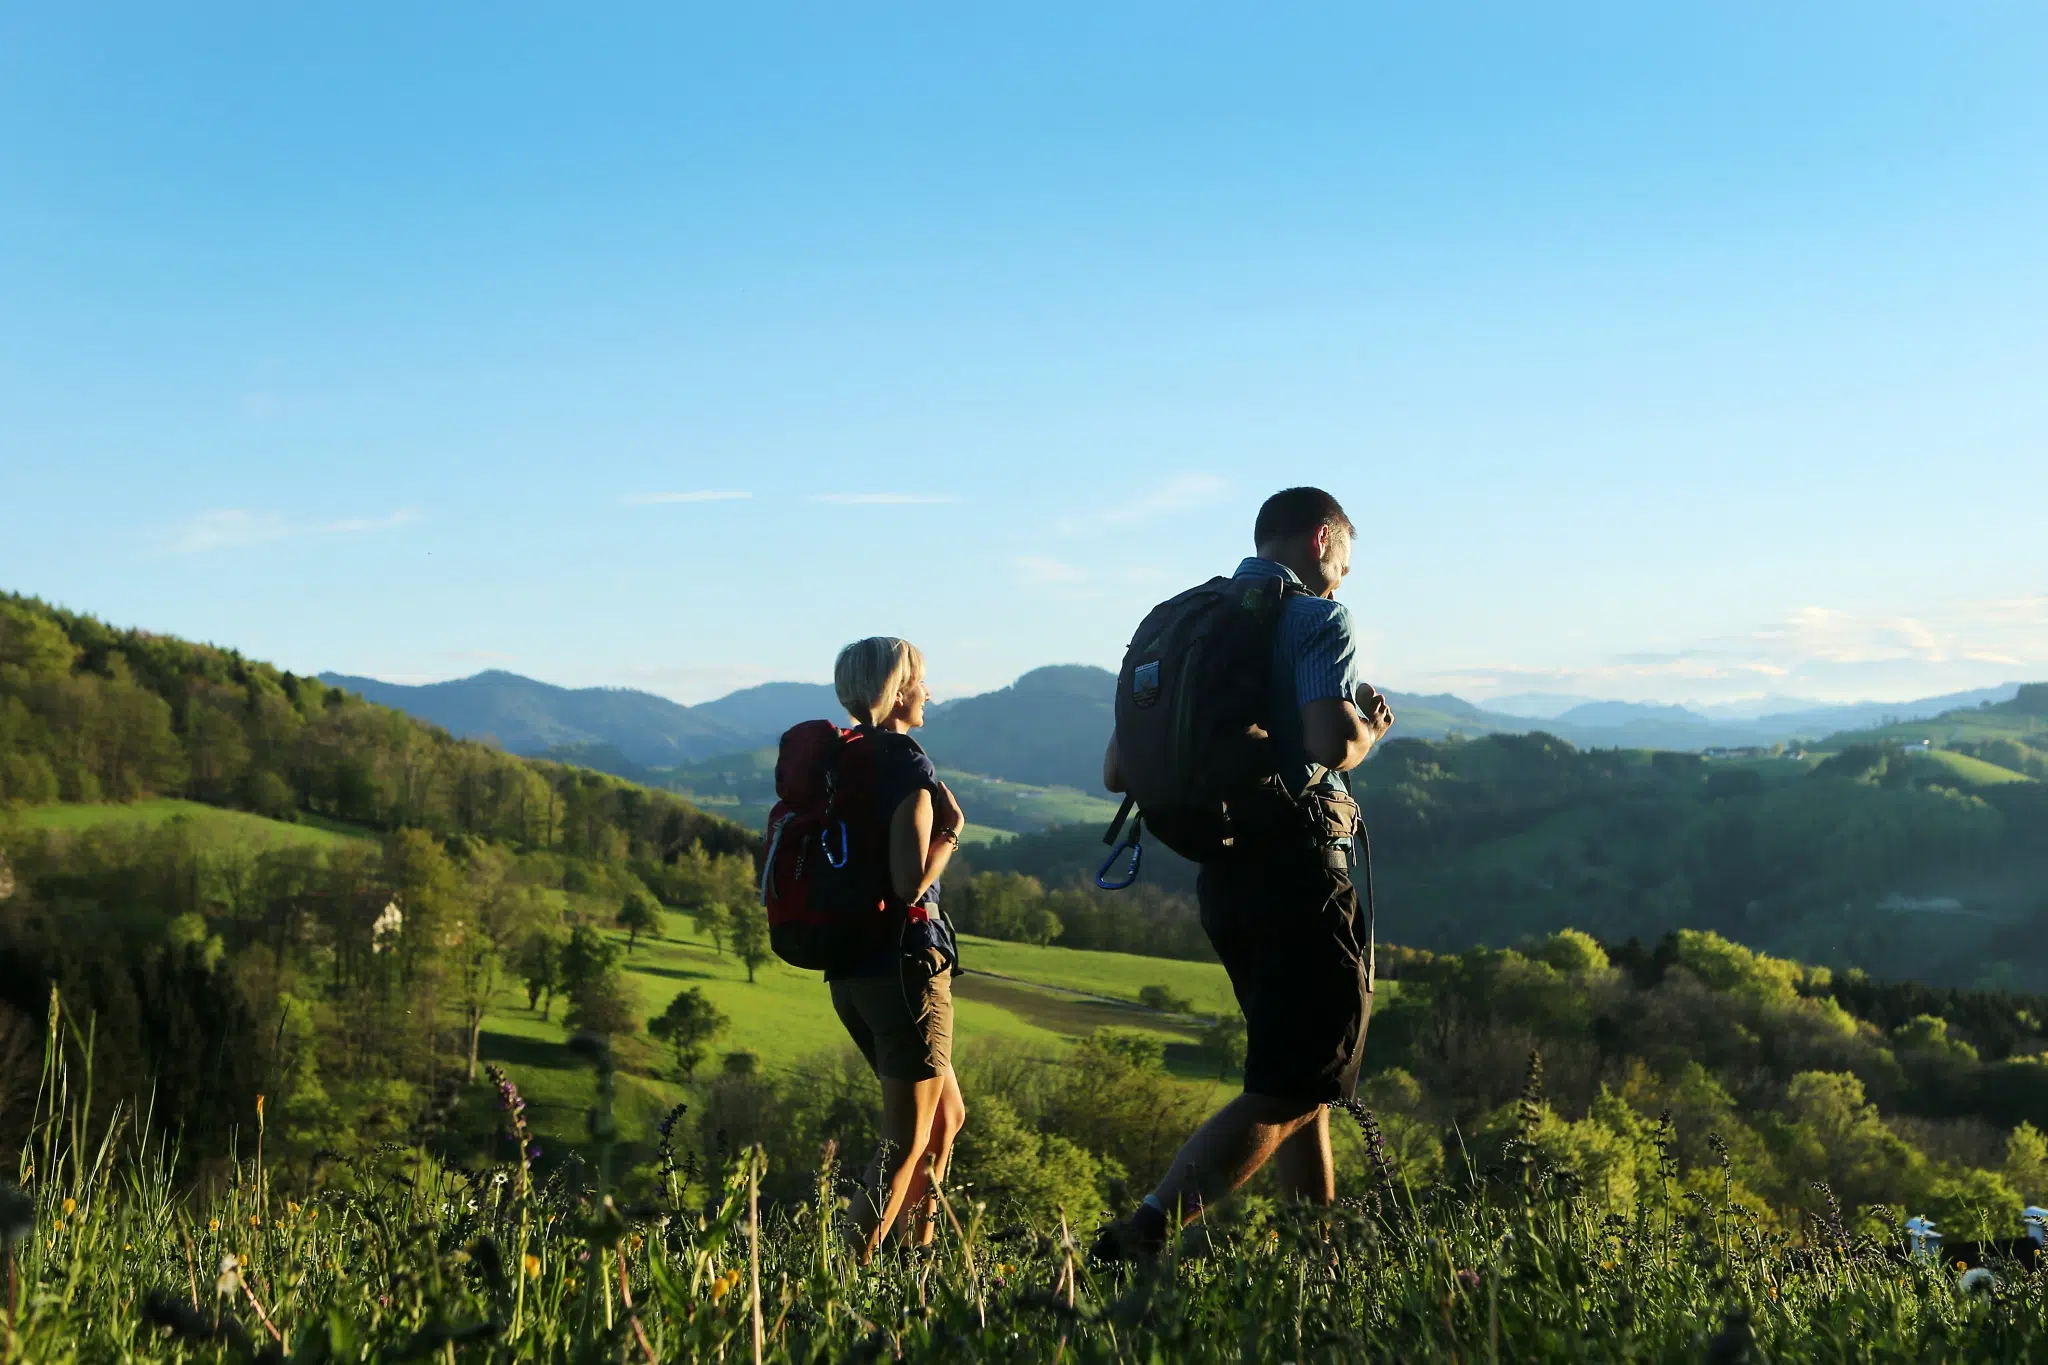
pixel 1315 656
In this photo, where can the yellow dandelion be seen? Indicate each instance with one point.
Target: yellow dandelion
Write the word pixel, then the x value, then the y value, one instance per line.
pixel 291 1206
pixel 69 1205
pixel 58 1225
pixel 312 1213
pixel 255 1220
pixel 532 1266
pixel 1772 1290
pixel 213 1225
pixel 127 1246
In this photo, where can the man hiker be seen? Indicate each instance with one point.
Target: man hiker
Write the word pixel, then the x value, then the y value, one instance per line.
pixel 1275 888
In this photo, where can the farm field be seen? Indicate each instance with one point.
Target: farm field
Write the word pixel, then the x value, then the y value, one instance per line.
pixel 309 829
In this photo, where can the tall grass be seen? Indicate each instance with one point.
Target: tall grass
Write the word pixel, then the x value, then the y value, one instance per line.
pixel 399 1257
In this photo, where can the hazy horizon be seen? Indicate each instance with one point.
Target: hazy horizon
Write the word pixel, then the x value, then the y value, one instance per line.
pixel 1519 705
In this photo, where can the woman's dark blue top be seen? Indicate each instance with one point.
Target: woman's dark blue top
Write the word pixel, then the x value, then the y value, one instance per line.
pixel 903 769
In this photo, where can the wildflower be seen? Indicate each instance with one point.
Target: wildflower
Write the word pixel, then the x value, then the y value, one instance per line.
pixel 1467 1279
pixel 291 1206
pixel 1772 1290
pixel 230 1275
pixel 532 1266
pixel 69 1205
pixel 213 1225
pixel 1976 1280
pixel 255 1220
pixel 58 1225
pixel 724 1285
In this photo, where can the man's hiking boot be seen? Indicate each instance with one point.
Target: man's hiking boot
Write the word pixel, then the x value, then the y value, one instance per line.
pixel 1136 1240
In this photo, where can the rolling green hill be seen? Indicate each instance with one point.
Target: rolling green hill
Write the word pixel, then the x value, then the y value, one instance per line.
pixel 232 824
pixel 785 1017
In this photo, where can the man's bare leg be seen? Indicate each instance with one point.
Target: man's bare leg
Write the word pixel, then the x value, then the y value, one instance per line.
pixel 1304 1163
pixel 1228 1150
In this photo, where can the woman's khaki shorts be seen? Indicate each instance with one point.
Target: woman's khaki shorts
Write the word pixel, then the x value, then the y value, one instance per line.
pixel 902 1022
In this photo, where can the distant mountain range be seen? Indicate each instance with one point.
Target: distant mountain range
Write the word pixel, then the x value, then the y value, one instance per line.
pixel 529 717
pixel 1048 728
pixel 1654 725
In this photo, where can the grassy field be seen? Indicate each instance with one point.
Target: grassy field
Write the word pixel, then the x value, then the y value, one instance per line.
pixel 396 1258
pixel 310 829
pixel 1943 765
pixel 1043 1002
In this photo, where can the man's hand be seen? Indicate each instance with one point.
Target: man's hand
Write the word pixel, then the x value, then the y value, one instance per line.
pixel 1373 710
pixel 946 812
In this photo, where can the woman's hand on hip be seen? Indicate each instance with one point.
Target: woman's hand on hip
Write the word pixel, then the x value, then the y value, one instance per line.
pixel 946 812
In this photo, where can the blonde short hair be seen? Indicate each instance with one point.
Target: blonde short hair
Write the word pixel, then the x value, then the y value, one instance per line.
pixel 872 673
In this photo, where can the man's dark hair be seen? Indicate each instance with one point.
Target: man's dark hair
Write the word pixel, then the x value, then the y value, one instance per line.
pixel 1296 512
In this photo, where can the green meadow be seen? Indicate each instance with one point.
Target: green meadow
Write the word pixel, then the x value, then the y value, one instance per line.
pixel 1037 1000
pixel 212 820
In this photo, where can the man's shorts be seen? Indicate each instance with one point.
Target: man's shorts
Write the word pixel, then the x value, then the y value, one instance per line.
pixel 902 1022
pixel 1300 961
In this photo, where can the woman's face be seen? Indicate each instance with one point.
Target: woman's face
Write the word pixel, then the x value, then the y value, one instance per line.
pixel 910 702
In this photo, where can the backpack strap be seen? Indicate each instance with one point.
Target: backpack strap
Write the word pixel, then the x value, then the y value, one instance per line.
pixel 1123 813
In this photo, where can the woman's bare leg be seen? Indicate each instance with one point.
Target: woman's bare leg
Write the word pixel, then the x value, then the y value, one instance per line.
pixel 947 1119
pixel 907 1111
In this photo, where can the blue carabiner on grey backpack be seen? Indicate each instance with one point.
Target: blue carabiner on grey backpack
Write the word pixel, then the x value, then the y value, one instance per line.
pixel 1134 842
pixel 845 845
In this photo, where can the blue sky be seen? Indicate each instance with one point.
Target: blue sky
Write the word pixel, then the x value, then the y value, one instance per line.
pixel 1662 351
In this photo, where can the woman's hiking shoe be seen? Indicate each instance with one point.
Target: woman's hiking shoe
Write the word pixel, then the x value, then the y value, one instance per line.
pixel 1136 1240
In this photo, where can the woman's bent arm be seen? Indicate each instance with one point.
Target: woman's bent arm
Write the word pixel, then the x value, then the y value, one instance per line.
pixel 916 860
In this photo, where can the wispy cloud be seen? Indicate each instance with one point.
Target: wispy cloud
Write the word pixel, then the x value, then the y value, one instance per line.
pixel 883 499
pixel 1818 651
pixel 228 527
pixel 1179 493
pixel 693 495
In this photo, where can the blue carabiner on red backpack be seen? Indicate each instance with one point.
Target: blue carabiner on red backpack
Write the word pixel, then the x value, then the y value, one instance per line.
pixel 1134 843
pixel 845 845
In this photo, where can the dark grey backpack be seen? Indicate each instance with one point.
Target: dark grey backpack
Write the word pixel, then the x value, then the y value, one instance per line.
pixel 1193 703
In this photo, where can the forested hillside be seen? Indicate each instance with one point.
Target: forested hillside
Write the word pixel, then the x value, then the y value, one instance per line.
pixel 1930 864
pixel 91 713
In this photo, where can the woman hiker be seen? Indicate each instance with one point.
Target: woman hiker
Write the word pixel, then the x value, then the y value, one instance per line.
pixel 897 1001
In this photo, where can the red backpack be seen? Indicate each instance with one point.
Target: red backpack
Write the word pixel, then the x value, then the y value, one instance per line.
pixel 825 855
